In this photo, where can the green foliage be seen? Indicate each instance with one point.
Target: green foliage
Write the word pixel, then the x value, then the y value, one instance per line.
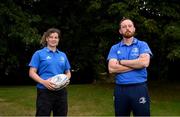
pixel 16 27
pixel 89 29
pixel 172 32
pixel 169 9
pixel 104 27
pixel 94 5
pixel 117 8
pixel 19 22
pixel 151 26
pixel 174 53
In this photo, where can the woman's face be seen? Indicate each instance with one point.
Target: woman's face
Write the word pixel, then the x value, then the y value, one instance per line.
pixel 52 40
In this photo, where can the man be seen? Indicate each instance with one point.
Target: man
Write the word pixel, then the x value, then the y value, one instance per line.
pixel 128 60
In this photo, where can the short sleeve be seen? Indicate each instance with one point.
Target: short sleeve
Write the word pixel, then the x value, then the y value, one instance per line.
pixel 145 49
pixel 112 53
pixel 67 65
pixel 35 60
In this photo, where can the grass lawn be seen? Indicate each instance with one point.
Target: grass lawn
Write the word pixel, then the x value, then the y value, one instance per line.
pixel 89 100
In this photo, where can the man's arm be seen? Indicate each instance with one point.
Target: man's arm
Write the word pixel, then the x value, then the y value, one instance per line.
pixel 115 67
pixel 141 62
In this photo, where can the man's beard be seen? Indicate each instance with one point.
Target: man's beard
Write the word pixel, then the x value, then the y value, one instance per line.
pixel 128 34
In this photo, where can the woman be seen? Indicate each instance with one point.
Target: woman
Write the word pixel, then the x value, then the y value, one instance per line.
pixel 46 63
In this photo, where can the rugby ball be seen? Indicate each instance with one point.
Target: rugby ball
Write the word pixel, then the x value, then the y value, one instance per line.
pixel 59 80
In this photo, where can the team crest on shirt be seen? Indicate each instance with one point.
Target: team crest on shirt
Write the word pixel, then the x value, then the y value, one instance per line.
pixel 48 57
pixel 118 52
pixel 135 51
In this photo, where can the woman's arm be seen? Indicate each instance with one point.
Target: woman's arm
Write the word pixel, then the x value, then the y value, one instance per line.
pixel 68 74
pixel 33 74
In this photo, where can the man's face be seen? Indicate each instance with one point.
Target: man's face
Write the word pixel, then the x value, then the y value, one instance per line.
pixel 127 29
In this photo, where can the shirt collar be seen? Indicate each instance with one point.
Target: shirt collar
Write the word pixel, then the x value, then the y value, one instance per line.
pixel 48 50
pixel 134 42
